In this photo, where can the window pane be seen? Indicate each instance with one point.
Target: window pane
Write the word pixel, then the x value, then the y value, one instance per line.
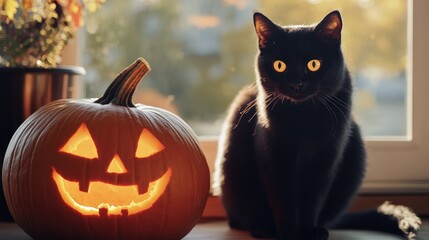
pixel 202 52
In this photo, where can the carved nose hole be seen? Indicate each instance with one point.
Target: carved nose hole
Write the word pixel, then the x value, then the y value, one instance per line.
pixel 116 165
pixel 296 86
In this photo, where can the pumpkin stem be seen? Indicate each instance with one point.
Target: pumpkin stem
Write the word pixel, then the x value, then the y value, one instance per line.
pixel 121 90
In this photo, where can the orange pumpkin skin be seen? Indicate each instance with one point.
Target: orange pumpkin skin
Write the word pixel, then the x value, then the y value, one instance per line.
pixel 36 151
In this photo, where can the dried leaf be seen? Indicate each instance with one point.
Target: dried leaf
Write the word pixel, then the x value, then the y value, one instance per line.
pixel 27 5
pixel 10 8
pixel 52 6
pixel 75 8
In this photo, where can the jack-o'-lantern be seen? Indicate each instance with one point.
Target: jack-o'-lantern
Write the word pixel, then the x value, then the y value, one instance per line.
pixel 105 169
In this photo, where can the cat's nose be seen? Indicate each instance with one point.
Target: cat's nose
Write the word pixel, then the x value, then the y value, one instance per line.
pixel 296 86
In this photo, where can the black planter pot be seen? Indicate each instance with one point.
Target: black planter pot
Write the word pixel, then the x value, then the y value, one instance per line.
pixel 23 91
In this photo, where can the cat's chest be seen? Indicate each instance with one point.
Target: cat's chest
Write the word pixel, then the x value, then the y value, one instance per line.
pixel 303 130
pixel 303 124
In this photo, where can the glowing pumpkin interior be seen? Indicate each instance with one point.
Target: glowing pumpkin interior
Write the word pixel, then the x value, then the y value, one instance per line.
pixel 104 198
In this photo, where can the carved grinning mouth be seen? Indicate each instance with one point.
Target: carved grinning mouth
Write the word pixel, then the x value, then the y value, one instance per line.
pixel 107 199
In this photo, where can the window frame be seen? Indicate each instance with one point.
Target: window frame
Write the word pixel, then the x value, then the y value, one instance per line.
pixel 395 164
pixel 400 165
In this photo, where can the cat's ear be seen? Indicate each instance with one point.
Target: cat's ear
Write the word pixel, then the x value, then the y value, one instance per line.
pixel 265 29
pixel 330 27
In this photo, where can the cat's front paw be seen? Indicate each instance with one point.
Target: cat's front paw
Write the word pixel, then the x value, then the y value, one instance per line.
pixel 262 232
pixel 317 233
pixel 234 224
pixel 285 237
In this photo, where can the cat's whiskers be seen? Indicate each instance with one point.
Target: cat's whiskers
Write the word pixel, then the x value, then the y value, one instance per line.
pixel 250 119
pixel 268 100
pixel 273 101
pixel 282 98
pixel 249 106
pixel 333 101
pixel 331 112
pixel 243 112
pixel 337 105
pixel 340 102
pixel 312 99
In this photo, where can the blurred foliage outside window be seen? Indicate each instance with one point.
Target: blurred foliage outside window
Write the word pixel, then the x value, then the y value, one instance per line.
pixel 202 52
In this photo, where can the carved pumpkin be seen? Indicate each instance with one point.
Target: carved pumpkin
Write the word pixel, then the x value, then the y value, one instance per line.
pixel 105 169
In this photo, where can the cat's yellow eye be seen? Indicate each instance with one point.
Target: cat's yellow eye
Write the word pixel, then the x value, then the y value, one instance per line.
pixel 279 66
pixel 313 65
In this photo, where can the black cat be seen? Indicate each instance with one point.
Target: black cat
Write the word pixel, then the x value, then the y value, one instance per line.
pixel 290 156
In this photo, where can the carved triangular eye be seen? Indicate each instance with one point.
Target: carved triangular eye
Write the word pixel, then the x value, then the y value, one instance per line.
pixel 81 144
pixel 148 145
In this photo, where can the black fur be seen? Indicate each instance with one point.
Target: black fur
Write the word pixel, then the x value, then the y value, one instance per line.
pixel 291 157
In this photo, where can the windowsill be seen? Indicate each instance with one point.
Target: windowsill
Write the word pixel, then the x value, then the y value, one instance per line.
pixel 417 202
pixel 219 230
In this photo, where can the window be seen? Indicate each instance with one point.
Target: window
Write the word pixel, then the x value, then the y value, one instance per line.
pixel 401 164
pixel 202 52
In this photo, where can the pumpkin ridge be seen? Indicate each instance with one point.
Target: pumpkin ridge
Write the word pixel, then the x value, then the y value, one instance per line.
pixel 121 90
